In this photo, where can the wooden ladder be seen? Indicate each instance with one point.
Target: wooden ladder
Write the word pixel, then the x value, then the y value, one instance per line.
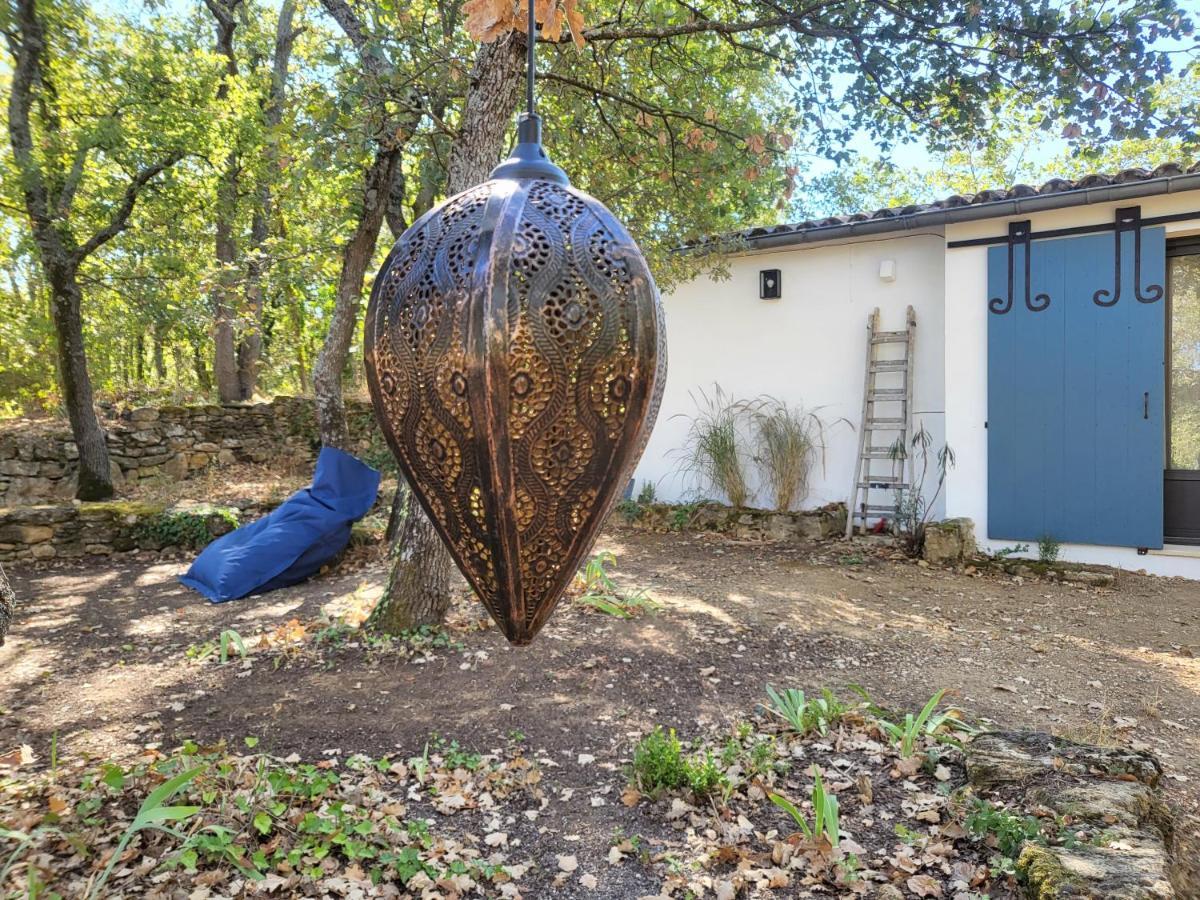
pixel 883 428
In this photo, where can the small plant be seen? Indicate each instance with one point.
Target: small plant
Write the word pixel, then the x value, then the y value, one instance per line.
pixel 926 723
pixel 660 764
pixel 600 592
pixel 704 777
pixel 714 454
pixel 227 641
pixel 912 508
pixel 629 510
pixel 825 813
pixel 152 814
pixel 806 714
pixel 682 516
pixel 788 441
pixel 1008 830
pixel 1048 549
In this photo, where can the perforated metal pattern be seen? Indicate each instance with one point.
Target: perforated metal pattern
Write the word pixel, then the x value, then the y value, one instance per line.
pixel 516 357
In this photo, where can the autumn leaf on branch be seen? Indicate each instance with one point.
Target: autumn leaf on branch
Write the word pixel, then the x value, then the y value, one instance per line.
pixel 575 21
pixel 489 20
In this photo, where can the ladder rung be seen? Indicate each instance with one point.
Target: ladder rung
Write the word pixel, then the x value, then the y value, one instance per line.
pixel 889 365
pixel 883 486
pixel 872 510
pixel 876 480
pixel 873 422
pixel 887 393
pixel 889 337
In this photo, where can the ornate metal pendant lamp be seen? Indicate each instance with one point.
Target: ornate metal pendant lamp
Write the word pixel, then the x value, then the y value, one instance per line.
pixel 516 358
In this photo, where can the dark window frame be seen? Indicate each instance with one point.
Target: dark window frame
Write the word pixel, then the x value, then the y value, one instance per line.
pixel 1182 246
pixel 1187 530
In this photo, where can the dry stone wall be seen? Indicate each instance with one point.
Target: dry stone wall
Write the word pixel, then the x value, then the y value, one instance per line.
pixel 38 463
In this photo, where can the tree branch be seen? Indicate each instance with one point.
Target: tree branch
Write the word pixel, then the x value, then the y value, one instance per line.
pixel 120 218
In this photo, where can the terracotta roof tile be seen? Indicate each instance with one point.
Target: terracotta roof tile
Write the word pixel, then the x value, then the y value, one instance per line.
pixel 1052 186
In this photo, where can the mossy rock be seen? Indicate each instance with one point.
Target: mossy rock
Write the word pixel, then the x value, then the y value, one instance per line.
pixel 1131 865
pixel 119 509
pixel 1045 876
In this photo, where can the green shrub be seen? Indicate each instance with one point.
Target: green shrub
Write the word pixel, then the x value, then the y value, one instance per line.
pixel 1048 549
pixel 805 714
pixel 660 764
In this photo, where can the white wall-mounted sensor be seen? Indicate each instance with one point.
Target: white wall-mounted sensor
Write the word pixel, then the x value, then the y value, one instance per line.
pixel 887 270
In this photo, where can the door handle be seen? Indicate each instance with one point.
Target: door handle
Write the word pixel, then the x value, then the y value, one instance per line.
pixel 1146 405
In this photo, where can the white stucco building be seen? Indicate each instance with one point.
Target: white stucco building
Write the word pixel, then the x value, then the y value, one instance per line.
pixel 1073 409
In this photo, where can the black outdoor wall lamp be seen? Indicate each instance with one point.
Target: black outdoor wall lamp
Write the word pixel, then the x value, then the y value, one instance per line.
pixel 769 284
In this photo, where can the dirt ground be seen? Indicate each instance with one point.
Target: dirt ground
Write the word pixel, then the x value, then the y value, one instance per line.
pixel 100 658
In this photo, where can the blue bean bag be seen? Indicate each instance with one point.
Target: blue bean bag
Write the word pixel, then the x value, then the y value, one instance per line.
pixel 294 541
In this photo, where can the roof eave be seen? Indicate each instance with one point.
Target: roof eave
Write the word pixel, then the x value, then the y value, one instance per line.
pixel 927 218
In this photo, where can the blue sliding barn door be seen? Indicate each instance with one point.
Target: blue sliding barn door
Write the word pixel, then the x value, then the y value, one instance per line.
pixel 1076 384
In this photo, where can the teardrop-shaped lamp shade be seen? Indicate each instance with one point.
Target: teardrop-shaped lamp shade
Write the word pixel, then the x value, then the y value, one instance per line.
pixel 516 358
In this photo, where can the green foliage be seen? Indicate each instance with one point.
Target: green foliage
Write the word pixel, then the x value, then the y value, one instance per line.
pixel 660 764
pixel 1010 148
pixel 1009 830
pixel 181 528
pixel 154 813
pixel 913 507
pixel 228 640
pixel 807 714
pixel 1048 549
pixel 928 723
pixel 714 450
pixel 825 813
pixel 632 510
pixel 598 591
pixel 757 755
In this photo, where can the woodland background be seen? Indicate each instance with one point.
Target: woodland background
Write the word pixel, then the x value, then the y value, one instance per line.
pixel 256 130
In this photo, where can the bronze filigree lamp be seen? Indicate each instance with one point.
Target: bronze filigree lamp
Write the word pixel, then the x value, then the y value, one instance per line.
pixel 516 358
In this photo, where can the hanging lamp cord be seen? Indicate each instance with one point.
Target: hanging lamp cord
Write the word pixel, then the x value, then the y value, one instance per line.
pixel 530 69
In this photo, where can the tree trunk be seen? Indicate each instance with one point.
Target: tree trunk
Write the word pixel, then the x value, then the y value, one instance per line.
pixel 418 590
pixel 356 256
pixel 203 379
pixel 160 359
pixel 495 88
pixel 95 474
pixel 177 362
pixel 224 297
pixel 60 256
pixel 8 606
pixel 250 343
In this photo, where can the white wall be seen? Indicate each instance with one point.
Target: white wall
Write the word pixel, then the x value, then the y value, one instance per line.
pixel 807 348
pixel 966 371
